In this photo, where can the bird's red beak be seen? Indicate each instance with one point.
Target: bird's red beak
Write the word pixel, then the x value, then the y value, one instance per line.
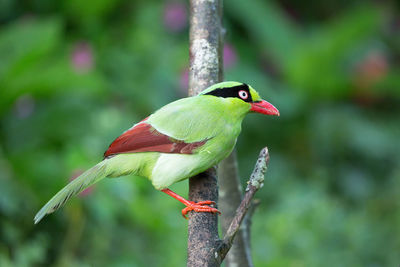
pixel 264 107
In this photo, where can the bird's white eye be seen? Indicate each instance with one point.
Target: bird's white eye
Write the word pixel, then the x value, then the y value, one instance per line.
pixel 243 94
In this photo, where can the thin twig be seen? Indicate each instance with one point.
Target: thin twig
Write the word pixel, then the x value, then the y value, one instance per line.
pixel 256 182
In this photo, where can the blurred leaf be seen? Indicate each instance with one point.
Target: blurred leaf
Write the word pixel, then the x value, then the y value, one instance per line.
pixel 269 27
pixel 318 66
pixel 31 64
pixel 25 42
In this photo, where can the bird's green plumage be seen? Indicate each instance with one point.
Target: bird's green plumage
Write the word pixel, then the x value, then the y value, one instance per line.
pixel 203 117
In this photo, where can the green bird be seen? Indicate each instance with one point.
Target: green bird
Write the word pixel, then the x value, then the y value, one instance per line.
pixel 178 141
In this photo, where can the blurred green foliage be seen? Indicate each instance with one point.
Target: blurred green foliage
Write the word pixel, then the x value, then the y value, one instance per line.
pixel 74 75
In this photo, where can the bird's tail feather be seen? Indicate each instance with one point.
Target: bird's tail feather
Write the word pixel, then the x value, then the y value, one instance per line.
pixel 88 178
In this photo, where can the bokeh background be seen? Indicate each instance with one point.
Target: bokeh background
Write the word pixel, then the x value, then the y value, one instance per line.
pixel 75 74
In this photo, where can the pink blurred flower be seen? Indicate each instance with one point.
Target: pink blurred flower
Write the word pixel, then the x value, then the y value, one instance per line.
pixel 184 80
pixel 372 68
pixel 175 16
pixel 82 57
pixel 369 71
pixel 230 56
pixel 24 106
pixel 87 191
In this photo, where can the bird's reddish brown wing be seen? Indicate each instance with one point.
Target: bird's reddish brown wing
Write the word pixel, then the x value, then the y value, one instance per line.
pixel 144 138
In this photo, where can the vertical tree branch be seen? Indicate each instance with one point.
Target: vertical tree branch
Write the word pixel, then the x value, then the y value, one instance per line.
pixel 205 41
pixel 230 196
pixel 204 246
pixel 205 70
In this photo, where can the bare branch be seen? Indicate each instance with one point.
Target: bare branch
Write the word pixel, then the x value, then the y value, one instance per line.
pixel 256 182
pixel 204 246
pixel 205 70
pixel 230 196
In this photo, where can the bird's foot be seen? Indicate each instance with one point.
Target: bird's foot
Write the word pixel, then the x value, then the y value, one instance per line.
pixel 199 207
pixel 190 205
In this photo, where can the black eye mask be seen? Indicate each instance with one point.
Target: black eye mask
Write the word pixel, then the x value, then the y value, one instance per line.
pixel 233 92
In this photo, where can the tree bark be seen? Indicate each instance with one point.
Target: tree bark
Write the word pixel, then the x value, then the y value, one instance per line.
pixel 230 196
pixel 255 182
pixel 205 70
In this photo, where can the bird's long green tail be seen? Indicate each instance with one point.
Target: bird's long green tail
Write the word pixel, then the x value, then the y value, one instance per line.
pixel 79 184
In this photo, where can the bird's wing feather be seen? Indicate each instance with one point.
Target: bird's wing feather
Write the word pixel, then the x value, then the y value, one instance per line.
pixel 191 119
pixel 142 137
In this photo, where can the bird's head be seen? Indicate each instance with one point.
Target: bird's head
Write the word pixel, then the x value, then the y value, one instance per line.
pixel 241 95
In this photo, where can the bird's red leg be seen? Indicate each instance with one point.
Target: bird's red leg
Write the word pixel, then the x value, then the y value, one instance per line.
pixel 190 205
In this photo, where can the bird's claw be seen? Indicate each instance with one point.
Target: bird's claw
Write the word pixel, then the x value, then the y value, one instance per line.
pixel 200 207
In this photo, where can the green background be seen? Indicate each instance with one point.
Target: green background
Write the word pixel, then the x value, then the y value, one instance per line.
pixel 75 74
